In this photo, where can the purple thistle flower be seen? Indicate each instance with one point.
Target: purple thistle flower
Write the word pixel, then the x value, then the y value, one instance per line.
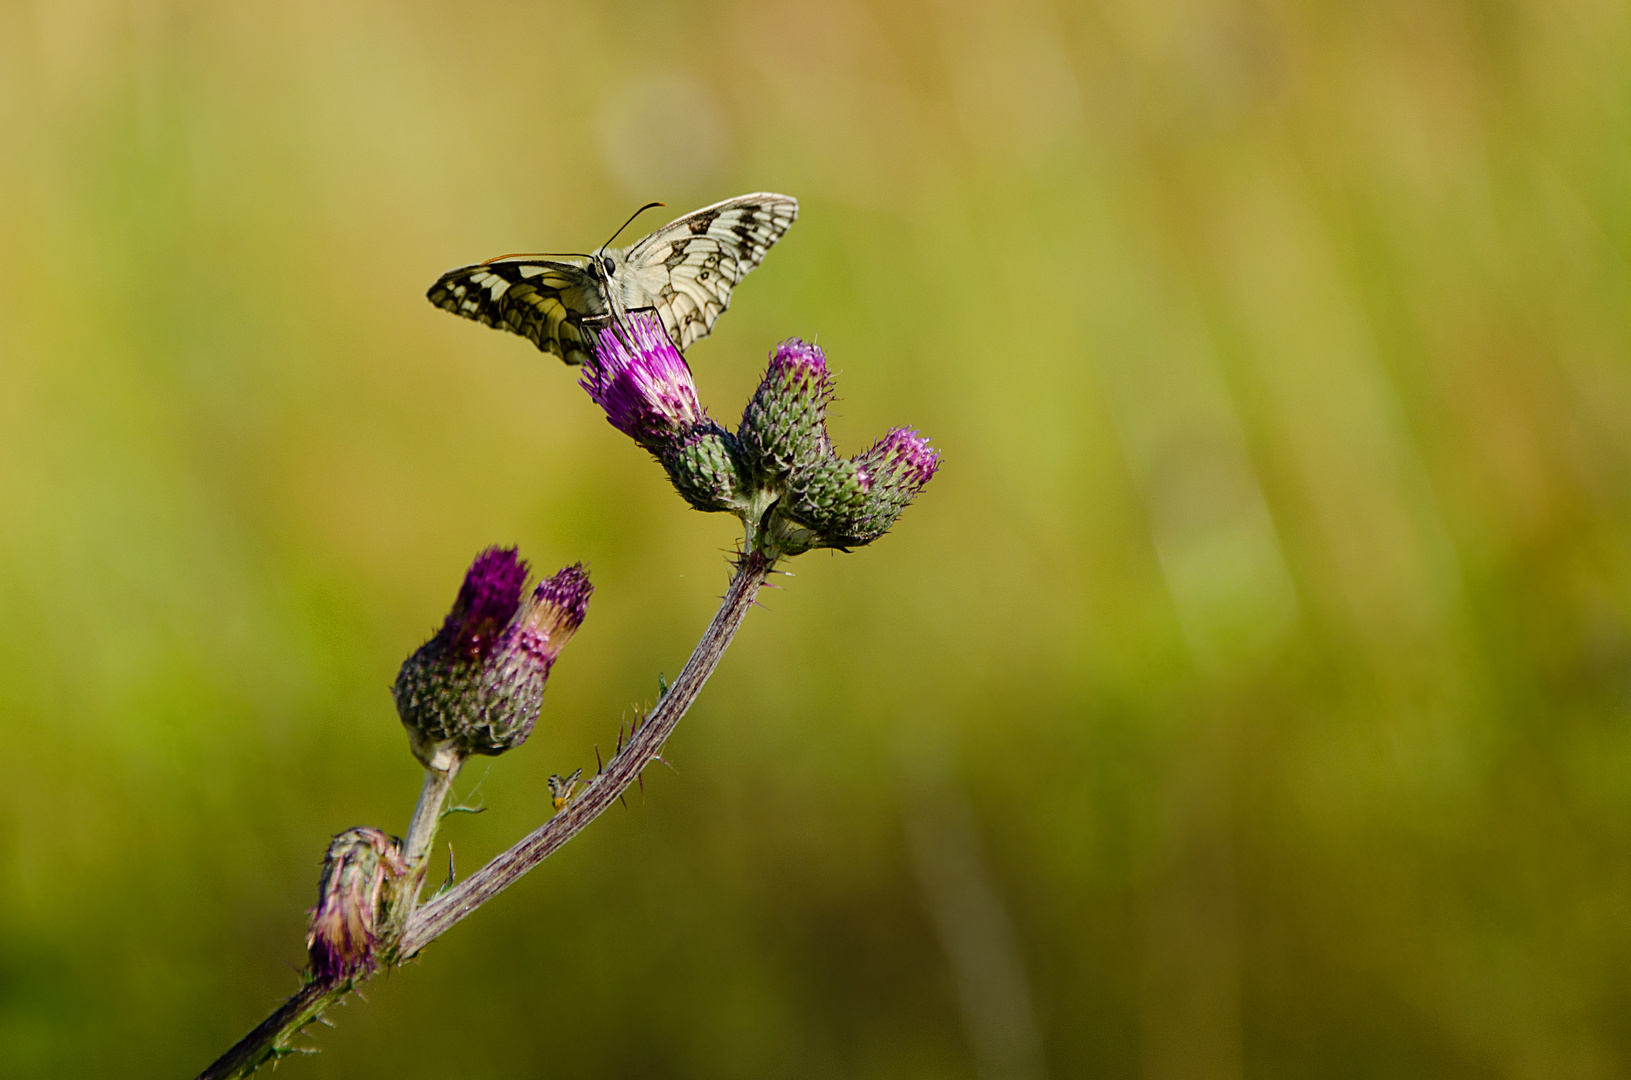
pixel 476 687
pixel 340 935
pixel 642 381
pixel 487 601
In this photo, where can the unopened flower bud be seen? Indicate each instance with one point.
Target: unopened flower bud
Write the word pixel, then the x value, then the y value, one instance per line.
pixel 852 503
pixel 477 685
pixel 340 937
pixel 784 426
pixel 642 381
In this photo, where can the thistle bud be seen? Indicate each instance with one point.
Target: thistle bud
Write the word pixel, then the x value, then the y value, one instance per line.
pixel 477 685
pixel 852 503
pixel 784 426
pixel 340 937
pixel 642 381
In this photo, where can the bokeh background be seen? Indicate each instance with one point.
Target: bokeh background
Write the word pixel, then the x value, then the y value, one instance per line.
pixel 1250 695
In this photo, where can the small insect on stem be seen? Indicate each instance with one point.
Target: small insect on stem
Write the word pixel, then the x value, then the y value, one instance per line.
pixel 562 788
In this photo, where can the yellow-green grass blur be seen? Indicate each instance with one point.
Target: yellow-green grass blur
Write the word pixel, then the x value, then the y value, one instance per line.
pixel 1249 695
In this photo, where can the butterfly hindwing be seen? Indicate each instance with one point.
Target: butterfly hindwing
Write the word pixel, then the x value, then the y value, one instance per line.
pixel 687 268
pixel 543 300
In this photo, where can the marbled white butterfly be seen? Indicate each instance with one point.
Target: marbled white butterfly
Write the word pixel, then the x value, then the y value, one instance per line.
pixel 685 270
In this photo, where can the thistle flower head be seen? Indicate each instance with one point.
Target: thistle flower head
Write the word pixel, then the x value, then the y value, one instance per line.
pixel 784 427
pixel 839 503
pixel 340 936
pixel 642 381
pixel 476 687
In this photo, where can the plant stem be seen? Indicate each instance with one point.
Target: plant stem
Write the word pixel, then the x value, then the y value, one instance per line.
pixel 270 1040
pixel 427 815
pixel 425 923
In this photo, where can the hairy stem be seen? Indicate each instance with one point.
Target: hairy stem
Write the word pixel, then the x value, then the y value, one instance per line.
pixel 427 815
pixel 270 1040
pixel 426 922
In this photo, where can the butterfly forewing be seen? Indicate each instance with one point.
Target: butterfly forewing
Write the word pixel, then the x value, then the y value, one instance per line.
pixel 685 270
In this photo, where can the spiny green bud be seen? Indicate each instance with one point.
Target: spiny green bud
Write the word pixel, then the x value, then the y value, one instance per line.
pixel 340 936
pixel 784 426
pixel 828 499
pixel 476 687
pixel 702 464
pixel 852 503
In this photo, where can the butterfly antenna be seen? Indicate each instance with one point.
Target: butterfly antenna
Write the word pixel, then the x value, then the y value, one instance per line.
pixel 629 222
pixel 534 255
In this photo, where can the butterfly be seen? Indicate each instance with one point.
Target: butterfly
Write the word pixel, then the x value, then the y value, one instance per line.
pixel 685 271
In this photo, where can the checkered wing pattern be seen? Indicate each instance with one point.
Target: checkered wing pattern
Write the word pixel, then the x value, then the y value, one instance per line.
pixel 687 268
pixel 685 271
pixel 544 300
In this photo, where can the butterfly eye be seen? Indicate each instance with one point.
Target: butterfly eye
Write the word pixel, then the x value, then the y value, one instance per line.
pixel 611 267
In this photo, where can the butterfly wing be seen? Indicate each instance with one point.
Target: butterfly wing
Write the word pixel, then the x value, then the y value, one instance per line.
pixel 687 268
pixel 544 300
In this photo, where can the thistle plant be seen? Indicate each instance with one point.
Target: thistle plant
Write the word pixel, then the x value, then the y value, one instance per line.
pixel 477 685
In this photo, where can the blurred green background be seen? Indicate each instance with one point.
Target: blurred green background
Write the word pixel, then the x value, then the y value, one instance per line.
pixel 1250 695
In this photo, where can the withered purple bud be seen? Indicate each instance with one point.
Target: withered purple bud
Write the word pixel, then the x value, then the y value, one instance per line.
pixel 340 937
pixel 476 687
